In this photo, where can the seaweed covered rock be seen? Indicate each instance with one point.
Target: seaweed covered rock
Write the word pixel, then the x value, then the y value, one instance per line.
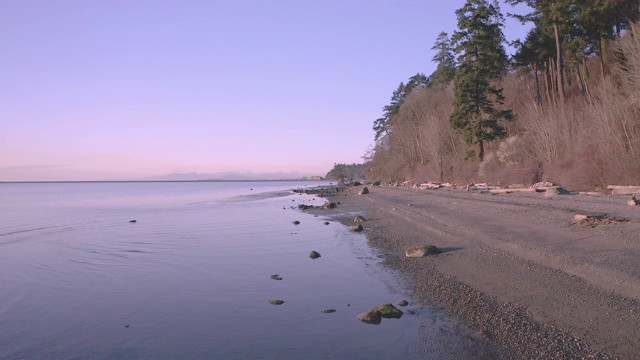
pixel 364 191
pixel 388 311
pixel 314 254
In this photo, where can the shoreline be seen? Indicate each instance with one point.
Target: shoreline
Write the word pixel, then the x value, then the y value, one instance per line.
pixel 515 269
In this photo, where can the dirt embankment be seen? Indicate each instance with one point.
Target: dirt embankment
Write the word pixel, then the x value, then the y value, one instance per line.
pixel 516 268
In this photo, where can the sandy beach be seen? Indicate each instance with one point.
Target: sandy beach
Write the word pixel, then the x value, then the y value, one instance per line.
pixel 517 269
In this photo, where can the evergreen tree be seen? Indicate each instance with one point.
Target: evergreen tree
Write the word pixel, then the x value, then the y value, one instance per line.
pixel 445 59
pixel 382 126
pixel 482 60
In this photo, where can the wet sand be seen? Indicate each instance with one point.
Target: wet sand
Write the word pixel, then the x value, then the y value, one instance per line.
pixel 516 268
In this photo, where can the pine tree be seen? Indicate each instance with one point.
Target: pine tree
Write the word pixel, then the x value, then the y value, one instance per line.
pixel 482 60
pixel 382 126
pixel 445 59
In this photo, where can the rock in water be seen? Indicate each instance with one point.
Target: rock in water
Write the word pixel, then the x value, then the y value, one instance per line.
pixel 314 254
pixel 421 251
pixel 370 317
pixel 402 303
pixel 276 302
pixel 364 191
pixel 388 311
pixel 359 219
pixel 276 277
pixel 132 221
pixel 296 222
pixel 328 311
pixel 356 228
pixel 326 223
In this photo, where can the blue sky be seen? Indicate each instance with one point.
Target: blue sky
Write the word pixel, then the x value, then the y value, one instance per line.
pixel 103 90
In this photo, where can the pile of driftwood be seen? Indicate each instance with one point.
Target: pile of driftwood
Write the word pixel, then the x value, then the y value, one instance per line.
pixel 546 187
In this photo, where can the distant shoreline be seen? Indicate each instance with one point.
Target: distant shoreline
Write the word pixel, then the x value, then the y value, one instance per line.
pixel 153 181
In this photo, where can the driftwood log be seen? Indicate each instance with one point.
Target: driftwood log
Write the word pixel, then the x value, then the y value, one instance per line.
pixel 624 190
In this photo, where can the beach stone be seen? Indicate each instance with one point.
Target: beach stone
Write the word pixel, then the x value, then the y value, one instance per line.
pixel 388 311
pixel 296 222
pixel 370 317
pixel 402 303
pixel 421 251
pixel 329 205
pixel 359 219
pixel 328 311
pixel 356 228
pixel 364 191
pixel 276 302
pixel 314 254
pixel 304 207
pixel 357 183
pixel 276 277
pixel 555 191
pixel 580 217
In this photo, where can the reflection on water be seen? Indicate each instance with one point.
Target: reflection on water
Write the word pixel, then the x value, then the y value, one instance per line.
pixel 190 279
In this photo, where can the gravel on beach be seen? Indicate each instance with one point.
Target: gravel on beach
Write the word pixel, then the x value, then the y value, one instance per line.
pixel 516 269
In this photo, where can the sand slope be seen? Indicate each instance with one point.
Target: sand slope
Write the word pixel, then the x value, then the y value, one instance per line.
pixel 516 269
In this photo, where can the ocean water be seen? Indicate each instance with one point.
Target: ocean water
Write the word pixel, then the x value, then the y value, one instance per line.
pixel 191 279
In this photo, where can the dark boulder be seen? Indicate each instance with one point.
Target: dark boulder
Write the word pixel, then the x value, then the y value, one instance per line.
pixel 329 205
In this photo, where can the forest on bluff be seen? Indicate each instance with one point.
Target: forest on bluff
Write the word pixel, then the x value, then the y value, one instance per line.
pixel 564 108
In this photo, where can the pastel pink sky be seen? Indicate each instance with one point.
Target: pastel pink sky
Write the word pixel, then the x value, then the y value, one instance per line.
pixel 124 89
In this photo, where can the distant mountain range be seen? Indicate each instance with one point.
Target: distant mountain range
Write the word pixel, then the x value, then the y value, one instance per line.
pixel 229 176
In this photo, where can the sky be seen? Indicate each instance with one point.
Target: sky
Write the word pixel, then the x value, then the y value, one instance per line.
pixel 128 89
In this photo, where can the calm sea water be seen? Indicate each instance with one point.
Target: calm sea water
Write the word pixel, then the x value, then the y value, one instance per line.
pixel 191 278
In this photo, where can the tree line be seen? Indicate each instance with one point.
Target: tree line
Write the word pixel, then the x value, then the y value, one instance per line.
pixel 564 108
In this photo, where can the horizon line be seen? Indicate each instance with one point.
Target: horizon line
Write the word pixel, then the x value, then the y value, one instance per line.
pixel 148 181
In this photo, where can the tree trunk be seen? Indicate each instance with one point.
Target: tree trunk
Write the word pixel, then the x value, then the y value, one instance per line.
pixel 602 50
pixel 534 68
pixel 584 79
pixel 559 64
pixel 481 152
